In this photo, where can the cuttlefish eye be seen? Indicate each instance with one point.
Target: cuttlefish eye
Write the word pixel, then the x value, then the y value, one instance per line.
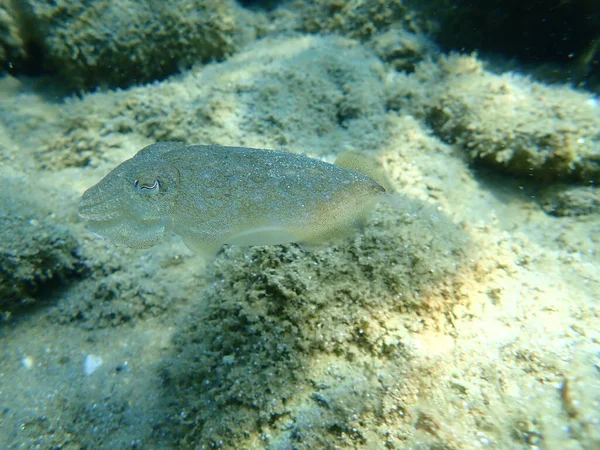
pixel 147 189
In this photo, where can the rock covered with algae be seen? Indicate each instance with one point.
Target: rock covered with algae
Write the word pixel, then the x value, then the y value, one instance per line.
pixel 82 42
pixel 507 122
pixel 33 256
pixel 212 195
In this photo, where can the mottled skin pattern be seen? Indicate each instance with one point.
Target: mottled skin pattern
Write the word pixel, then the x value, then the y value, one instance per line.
pixel 212 195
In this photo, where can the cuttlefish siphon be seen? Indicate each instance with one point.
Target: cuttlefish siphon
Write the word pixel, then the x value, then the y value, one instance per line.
pixel 212 195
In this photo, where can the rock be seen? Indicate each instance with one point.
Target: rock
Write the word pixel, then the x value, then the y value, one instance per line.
pixel 117 43
pixel 12 47
pixel 33 256
pixel 507 122
pixel 357 19
pixel 401 48
pixel 274 312
pixel 571 200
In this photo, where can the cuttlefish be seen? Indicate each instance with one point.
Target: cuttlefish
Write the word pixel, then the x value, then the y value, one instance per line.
pixel 212 195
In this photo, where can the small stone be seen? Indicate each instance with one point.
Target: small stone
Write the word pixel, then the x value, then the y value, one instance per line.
pixel 91 364
pixel 27 362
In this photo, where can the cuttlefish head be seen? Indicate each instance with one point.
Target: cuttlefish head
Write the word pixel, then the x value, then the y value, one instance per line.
pixel 133 204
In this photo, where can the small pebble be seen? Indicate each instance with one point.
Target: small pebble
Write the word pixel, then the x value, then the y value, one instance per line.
pixel 91 364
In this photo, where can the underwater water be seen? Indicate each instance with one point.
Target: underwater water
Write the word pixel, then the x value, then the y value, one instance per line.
pixel 457 310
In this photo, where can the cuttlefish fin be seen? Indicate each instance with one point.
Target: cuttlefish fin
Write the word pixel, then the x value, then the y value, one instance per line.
pixel 365 164
pixel 201 246
pixel 262 235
